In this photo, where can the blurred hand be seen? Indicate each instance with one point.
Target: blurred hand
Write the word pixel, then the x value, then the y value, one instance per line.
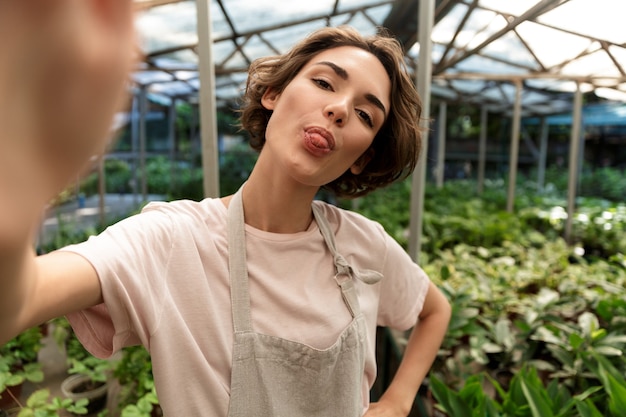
pixel 63 69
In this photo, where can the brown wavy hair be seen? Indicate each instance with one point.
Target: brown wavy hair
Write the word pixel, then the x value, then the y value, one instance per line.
pixel 398 143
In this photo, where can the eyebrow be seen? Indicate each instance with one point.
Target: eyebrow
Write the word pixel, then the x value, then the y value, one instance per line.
pixel 343 74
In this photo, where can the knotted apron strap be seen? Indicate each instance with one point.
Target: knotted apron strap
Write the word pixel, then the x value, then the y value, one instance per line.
pixel 344 272
pixel 239 291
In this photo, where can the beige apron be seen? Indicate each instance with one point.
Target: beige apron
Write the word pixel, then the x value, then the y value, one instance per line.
pixel 274 377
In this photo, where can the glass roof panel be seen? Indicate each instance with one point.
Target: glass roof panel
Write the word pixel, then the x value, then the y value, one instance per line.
pixel 151 77
pixel 595 64
pixel 467 86
pixel 167 26
pixel 175 88
pixel 255 15
pixel 601 19
pixel 511 7
pixel 553 43
pixel 444 30
pixel 485 65
pixel 510 48
pixel 481 25
pixel 550 46
pixel 352 4
pixel 284 38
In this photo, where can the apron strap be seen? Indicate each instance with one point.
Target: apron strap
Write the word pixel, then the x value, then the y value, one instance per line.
pixel 344 272
pixel 239 291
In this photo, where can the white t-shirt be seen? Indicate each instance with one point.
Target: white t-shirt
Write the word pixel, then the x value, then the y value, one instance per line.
pixel 165 284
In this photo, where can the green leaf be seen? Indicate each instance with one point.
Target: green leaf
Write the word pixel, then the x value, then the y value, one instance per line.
pixel 448 400
pixel 617 395
pixel 575 341
pixel 132 411
pixel 539 404
pixel 598 334
pixel 588 409
pixel 589 324
pixel 608 350
pixel 79 407
pixel 445 272
pixel 12 380
pixel 38 398
pixel 33 372
pixel 26 412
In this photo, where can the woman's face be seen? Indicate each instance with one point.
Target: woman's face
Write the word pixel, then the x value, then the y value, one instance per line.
pixel 326 118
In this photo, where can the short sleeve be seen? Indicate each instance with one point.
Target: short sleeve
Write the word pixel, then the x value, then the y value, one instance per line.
pixel 403 288
pixel 131 260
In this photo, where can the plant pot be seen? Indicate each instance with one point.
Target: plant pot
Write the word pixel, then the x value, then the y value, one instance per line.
pixel 7 401
pixel 156 411
pixel 77 387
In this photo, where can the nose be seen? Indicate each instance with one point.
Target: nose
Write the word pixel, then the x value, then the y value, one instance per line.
pixel 337 112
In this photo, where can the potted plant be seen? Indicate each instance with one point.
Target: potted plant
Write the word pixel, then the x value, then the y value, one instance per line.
pixel 18 363
pixel 89 376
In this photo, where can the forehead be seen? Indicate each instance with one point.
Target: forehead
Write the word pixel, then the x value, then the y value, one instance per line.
pixel 361 66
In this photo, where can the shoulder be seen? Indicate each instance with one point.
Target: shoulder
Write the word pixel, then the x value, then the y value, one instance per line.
pixel 207 210
pixel 166 221
pixel 338 215
pixel 191 207
pixel 355 225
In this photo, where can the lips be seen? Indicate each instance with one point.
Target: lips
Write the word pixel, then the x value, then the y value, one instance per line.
pixel 318 141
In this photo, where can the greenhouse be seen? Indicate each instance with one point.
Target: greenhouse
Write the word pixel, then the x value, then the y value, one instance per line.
pixel 516 210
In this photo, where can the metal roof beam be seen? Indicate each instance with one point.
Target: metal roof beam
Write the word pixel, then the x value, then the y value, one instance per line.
pixel 537 10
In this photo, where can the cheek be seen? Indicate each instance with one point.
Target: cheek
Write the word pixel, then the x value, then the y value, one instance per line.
pixel 361 142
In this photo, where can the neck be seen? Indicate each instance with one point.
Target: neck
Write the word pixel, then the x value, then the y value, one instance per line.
pixel 277 205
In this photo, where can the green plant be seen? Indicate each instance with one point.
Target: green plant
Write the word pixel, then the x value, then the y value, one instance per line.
pixel 13 374
pixel 18 360
pixel 483 396
pixel 24 348
pixel 84 363
pixel 144 407
pixel 40 404
pixel 137 396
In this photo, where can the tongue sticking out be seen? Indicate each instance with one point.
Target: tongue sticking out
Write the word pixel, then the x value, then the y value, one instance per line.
pixel 316 143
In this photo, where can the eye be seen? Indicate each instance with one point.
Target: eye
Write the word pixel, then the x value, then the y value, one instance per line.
pixel 365 117
pixel 322 84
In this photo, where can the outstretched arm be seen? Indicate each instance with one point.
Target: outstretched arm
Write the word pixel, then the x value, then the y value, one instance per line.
pixel 63 69
pixel 421 351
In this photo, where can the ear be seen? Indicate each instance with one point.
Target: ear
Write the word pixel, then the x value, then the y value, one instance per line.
pixel 362 162
pixel 269 98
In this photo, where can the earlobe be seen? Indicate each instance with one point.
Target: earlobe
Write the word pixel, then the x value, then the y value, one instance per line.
pixel 362 162
pixel 269 98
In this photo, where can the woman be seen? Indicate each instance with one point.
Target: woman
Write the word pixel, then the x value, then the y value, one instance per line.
pixel 264 303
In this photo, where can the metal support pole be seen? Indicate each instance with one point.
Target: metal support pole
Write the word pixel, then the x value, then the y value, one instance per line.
pixel 441 143
pixel 482 149
pixel 515 134
pixel 143 111
pixel 574 150
pixel 134 135
pixel 172 141
pixel 207 102
pixel 423 79
pixel 101 191
pixel 543 154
